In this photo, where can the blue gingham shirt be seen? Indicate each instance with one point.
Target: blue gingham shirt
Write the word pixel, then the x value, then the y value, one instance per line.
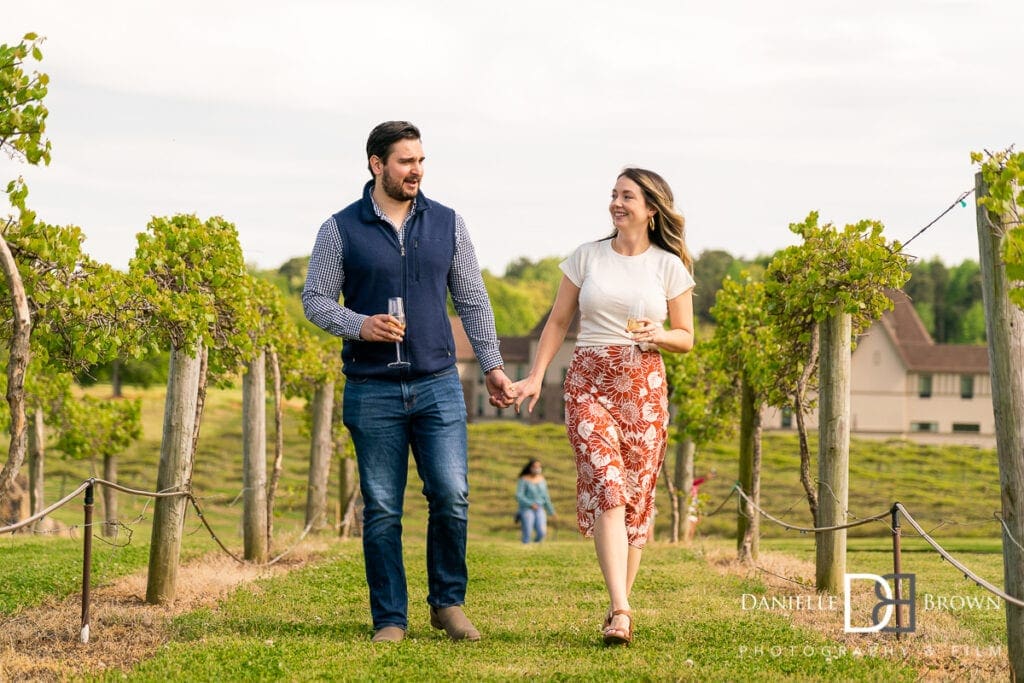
pixel 326 276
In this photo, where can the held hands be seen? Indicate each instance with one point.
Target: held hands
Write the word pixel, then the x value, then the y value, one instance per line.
pixel 382 328
pixel 500 388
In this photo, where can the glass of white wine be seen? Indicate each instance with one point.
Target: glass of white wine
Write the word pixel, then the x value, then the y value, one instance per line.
pixel 634 323
pixel 396 309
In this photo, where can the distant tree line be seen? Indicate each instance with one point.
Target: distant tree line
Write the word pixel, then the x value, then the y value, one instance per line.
pixel 948 299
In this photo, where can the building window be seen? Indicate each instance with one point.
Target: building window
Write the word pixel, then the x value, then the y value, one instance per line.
pixel 924 426
pixel 966 386
pixel 924 386
pixel 966 427
pixel 787 417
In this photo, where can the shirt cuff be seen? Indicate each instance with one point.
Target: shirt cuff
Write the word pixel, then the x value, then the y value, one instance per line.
pixel 352 325
pixel 491 362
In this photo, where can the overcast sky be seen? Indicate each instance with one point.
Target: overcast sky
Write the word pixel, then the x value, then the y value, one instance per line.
pixel 755 112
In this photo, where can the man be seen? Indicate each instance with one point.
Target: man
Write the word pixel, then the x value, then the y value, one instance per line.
pixel 396 242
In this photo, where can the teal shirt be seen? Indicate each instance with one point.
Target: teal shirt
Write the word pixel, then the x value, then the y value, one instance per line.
pixel 530 493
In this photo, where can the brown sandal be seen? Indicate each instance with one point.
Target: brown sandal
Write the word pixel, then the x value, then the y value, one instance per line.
pixel 612 635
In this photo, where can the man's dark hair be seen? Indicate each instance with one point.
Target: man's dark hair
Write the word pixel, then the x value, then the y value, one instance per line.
pixel 386 134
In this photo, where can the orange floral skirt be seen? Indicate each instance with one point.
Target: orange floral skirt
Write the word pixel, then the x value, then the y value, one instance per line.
pixel 616 416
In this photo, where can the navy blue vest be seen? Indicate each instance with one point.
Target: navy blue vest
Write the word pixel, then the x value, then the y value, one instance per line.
pixel 378 267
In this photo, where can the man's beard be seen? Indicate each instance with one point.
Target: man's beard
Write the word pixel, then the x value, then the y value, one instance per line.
pixel 396 189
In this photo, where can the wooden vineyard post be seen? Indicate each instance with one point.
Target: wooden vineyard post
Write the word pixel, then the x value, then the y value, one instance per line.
pixel 1004 327
pixel 833 451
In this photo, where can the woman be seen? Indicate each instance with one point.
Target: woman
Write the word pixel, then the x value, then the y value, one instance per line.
pixel 616 395
pixel 534 502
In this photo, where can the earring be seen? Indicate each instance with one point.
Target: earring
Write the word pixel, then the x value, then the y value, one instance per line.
pixel 650 224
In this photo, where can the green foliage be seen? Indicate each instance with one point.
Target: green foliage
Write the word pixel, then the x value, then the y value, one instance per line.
pixel 546 271
pixel 850 271
pixel 948 300
pixel 749 347
pixel 1013 256
pixel 291 297
pixel 82 312
pixel 308 355
pixel 46 390
pixel 272 329
pixel 766 334
pixel 194 279
pixel 314 362
pixel 1003 173
pixel 833 270
pixel 22 112
pixel 972 324
pixel 147 371
pixel 48 256
pixel 962 295
pixel 703 392
pixel 293 271
pixel 96 427
pixel 517 308
pixel 523 296
pixel 710 269
pixel 927 287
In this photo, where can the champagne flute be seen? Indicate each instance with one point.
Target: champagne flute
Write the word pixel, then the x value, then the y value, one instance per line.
pixel 634 323
pixel 396 309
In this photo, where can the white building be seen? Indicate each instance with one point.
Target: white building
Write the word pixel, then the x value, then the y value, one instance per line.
pixel 903 384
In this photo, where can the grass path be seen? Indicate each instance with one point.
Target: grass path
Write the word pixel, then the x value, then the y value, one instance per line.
pixel 539 609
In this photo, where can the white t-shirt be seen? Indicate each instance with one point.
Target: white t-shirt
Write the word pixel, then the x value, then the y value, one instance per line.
pixel 610 283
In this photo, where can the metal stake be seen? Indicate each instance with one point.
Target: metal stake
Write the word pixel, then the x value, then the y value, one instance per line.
pixel 87 561
pixel 897 567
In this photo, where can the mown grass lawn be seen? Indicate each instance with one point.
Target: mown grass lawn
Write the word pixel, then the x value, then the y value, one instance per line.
pixel 33 569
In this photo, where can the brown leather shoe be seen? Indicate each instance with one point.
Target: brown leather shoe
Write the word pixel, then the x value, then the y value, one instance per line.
pixel 388 634
pixel 455 622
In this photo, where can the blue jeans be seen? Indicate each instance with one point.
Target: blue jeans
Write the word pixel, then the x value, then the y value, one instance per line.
pixel 385 418
pixel 535 521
